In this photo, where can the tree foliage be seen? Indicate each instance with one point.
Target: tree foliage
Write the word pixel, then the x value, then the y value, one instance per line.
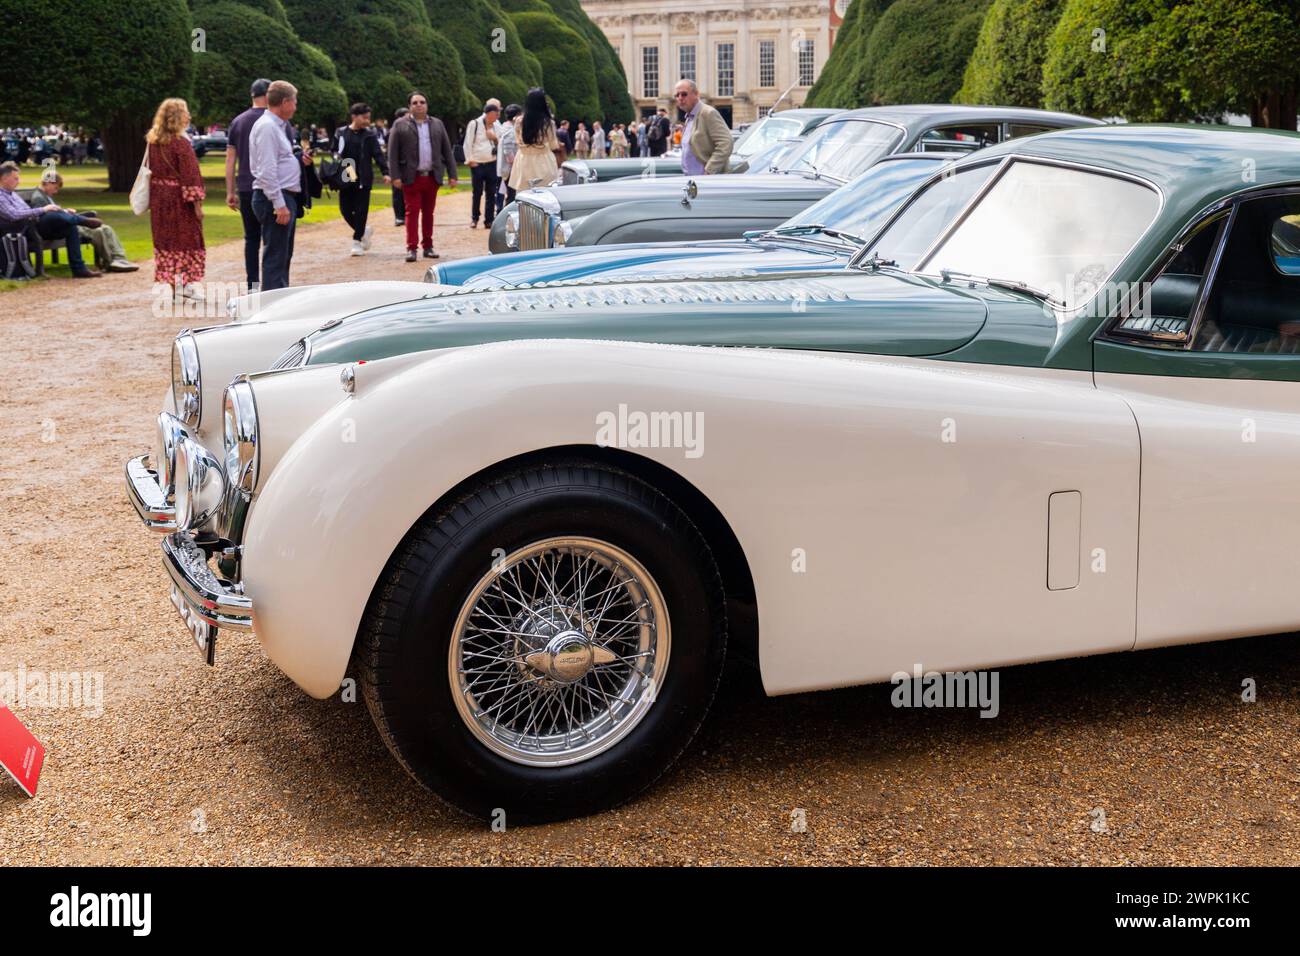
pixel 384 49
pixel 1169 60
pixel 611 81
pixel 246 40
pixel 568 71
pixel 490 49
pixel 1006 67
pixel 918 50
pixel 843 84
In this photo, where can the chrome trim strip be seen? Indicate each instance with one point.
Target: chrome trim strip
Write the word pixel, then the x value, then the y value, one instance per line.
pixel 207 596
pixel 144 493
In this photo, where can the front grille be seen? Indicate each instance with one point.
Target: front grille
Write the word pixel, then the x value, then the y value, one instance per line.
pixel 534 227
pixel 292 357
pixel 570 176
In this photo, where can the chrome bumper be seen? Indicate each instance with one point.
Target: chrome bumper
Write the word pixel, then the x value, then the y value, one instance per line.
pixel 203 596
pixel 147 495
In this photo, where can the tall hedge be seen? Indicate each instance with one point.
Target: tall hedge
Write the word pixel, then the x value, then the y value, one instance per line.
pixel 1006 68
pixel 383 49
pixel 568 71
pixel 918 50
pixel 106 65
pixel 611 81
pixel 245 40
pixel 843 83
pixel 471 26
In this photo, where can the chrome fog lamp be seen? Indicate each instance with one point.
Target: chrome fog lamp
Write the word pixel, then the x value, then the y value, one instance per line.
pixel 170 432
pixel 200 485
pixel 186 387
pixel 239 417
pixel 512 230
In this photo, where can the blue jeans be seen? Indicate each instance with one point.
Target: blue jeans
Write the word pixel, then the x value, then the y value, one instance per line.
pixel 277 240
pixel 63 225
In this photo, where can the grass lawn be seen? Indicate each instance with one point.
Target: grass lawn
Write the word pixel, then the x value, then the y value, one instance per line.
pixel 86 187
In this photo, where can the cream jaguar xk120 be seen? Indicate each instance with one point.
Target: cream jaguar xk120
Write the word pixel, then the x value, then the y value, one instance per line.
pixel 1051 409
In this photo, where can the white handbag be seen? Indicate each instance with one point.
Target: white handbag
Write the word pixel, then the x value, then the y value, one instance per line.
pixel 140 191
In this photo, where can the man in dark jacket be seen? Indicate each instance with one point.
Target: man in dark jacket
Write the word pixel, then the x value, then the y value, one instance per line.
pixel 357 147
pixel 659 132
pixel 419 154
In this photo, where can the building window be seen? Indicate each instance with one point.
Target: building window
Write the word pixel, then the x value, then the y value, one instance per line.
pixel 649 71
pixel 806 63
pixel 766 63
pixel 686 62
pixel 764 112
pixel 726 69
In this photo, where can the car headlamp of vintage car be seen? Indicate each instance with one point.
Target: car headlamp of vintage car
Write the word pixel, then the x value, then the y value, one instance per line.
pixel 239 425
pixel 564 231
pixel 512 229
pixel 200 485
pixel 435 274
pixel 232 309
pixel 186 385
pixel 170 432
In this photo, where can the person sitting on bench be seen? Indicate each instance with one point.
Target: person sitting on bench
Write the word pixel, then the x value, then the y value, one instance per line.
pixel 108 248
pixel 51 221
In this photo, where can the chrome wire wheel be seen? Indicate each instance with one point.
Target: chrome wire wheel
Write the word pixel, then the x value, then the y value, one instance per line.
pixel 559 651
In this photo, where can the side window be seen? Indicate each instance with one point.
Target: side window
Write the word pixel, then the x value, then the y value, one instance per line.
pixel 1286 245
pixel 1016 130
pixel 1163 310
pixel 971 135
pixel 1253 305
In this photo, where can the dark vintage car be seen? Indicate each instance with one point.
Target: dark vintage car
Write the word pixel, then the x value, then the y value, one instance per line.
pixel 756 138
pixel 660 208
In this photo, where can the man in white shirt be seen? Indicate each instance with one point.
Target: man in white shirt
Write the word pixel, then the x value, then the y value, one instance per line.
pixel 277 182
pixel 481 157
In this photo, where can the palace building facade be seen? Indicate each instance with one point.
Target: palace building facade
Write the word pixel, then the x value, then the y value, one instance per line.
pixel 745 55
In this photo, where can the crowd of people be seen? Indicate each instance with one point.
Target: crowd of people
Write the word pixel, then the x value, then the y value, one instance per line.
pixel 271 176
pixel 38 145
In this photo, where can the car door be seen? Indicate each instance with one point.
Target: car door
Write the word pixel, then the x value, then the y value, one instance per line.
pixel 1210 365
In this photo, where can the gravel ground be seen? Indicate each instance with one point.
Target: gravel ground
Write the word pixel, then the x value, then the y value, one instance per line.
pixel 234 765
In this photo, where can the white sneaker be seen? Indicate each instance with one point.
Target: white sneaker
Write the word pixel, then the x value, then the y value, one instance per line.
pixel 365 238
pixel 358 248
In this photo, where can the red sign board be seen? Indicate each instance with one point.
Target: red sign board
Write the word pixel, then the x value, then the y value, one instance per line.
pixel 21 754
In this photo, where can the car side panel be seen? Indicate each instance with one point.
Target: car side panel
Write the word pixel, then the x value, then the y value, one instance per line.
pixel 892 512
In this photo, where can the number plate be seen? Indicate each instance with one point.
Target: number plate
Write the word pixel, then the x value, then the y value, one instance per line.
pixel 204 634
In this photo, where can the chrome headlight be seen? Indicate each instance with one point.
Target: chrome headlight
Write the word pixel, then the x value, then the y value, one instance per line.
pixel 200 485
pixel 512 230
pixel 170 432
pixel 239 415
pixel 232 308
pixel 563 231
pixel 186 387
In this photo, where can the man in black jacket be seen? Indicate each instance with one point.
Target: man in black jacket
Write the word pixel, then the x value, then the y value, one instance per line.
pixel 356 146
pixel 659 132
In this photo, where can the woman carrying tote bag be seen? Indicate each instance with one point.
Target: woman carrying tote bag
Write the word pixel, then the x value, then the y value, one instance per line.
pixel 176 201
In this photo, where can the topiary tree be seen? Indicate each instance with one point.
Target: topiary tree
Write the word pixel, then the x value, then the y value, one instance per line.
pixel 611 81
pixel 129 56
pixel 842 84
pixel 568 70
pixel 1169 60
pixel 1006 67
pixel 918 50
pixel 245 40
pixel 490 50
pixel 384 49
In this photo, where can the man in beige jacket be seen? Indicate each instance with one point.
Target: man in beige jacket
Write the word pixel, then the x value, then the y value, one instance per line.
pixel 706 140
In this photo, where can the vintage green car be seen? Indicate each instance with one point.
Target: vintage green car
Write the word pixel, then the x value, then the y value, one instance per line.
pixel 788 124
pixel 662 208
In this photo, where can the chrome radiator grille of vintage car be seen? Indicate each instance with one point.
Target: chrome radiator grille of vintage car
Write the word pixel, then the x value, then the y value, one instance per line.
pixel 534 227
pixel 569 176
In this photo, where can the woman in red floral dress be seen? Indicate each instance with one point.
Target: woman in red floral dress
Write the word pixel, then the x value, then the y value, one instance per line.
pixel 176 201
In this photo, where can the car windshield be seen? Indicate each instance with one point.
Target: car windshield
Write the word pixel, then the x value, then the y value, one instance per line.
pixel 766 132
pixel 771 157
pixel 842 150
pixel 1057 230
pixel 861 207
